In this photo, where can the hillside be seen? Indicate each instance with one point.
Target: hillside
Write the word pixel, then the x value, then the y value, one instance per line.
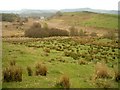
pixel 88 19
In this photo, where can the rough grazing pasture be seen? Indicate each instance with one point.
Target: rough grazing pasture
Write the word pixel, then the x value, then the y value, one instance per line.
pixel 59 62
pixel 75 57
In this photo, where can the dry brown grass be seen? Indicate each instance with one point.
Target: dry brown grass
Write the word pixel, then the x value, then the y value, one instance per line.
pixel 64 82
pixel 12 73
pixel 101 71
pixel 41 69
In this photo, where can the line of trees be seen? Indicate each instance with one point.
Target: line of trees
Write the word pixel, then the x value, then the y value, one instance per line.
pixel 9 17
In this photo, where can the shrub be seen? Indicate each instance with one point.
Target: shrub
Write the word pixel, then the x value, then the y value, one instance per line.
pixel 36 31
pixel 41 69
pixel 101 71
pixel 57 32
pixel 12 62
pixel 29 70
pixel 64 82
pixel 12 73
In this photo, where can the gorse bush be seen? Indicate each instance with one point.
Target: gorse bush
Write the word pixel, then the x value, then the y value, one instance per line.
pixel 12 73
pixel 29 70
pixel 58 32
pixel 36 31
pixel 41 69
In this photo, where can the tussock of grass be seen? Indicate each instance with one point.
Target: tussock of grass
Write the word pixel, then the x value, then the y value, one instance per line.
pixel 64 82
pixel 12 73
pixel 101 70
pixel 41 69
pixel 29 70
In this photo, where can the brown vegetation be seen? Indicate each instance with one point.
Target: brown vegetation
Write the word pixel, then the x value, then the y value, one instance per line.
pixel 12 73
pixel 64 82
pixel 41 69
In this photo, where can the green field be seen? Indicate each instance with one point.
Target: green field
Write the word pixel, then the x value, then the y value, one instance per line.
pixel 89 19
pixel 31 51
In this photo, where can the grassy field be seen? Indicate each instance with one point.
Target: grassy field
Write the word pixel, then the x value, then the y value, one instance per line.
pixel 89 19
pixel 29 52
pixel 76 57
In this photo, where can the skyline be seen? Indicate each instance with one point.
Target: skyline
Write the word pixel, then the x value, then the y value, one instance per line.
pixel 58 4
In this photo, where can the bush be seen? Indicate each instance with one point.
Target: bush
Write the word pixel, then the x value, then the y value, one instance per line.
pixel 57 32
pixel 29 70
pixel 41 69
pixel 101 71
pixel 64 82
pixel 36 31
pixel 12 73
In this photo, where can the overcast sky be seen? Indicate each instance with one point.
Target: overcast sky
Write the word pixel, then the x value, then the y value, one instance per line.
pixel 58 4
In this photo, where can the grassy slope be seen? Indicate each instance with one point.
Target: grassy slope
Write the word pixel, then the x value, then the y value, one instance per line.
pixel 27 56
pixel 89 19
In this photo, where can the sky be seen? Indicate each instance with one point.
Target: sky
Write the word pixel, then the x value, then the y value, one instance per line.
pixel 58 4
